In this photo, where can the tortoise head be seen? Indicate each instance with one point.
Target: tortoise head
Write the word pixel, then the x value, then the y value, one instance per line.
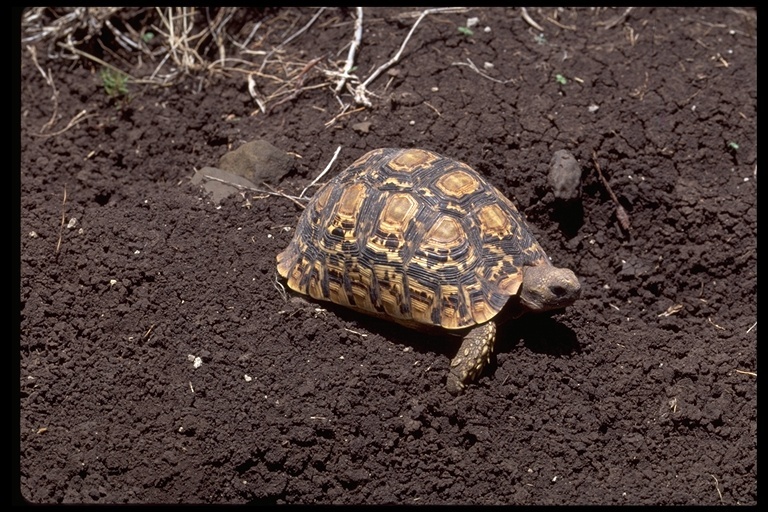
pixel 545 287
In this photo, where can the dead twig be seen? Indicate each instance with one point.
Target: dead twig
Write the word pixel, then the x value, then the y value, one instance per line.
pixel 709 319
pixel 255 95
pixel 244 45
pixel 354 45
pixel 433 108
pixel 292 37
pixel 149 331
pixel 360 92
pixel 99 61
pixel 640 91
pixel 327 168
pixel 471 65
pixel 178 32
pixel 63 215
pixel 48 77
pixel 632 37
pixel 529 20
pixel 558 24
pixel 297 89
pixel 280 288
pixel 717 487
pixel 618 19
pixel 344 112
pixel 216 27
pixel 126 42
pixel 621 213
pixel 271 192
pixel 671 310
pixel 84 22
pixel 182 42
pixel 80 116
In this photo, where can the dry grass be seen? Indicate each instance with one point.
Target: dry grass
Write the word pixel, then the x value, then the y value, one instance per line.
pixel 160 46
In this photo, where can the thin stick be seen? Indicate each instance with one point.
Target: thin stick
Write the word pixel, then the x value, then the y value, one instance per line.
pixel 529 20
pixel 361 91
pixel 149 331
pixel 280 288
pixel 717 487
pixel 709 319
pixel 126 42
pixel 291 95
pixel 293 36
pixel 244 44
pixel 97 60
pixel 298 88
pixel 474 68
pixel 344 112
pixel 217 30
pixel 63 214
pixel 327 168
pixel 352 50
pixel 159 66
pixel 281 194
pixel 621 213
pixel 49 80
pixel 255 95
pixel 618 19
pixel 557 23
pixel 82 115
pixel 273 192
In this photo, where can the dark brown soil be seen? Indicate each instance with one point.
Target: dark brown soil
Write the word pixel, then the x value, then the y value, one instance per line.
pixel 643 392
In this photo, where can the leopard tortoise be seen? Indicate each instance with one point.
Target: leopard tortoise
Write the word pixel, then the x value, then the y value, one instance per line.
pixel 414 237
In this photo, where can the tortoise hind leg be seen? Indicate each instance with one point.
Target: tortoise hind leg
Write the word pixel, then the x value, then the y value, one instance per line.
pixel 473 355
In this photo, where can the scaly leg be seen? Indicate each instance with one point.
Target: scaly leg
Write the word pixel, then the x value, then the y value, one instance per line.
pixel 474 354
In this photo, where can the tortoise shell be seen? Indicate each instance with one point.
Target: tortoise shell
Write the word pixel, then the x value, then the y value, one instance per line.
pixel 412 236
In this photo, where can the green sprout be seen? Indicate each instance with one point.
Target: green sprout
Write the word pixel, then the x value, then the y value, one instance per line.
pixel 733 145
pixel 561 79
pixel 148 36
pixel 115 84
pixel 466 31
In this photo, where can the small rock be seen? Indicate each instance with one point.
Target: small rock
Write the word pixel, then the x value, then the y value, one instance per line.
pixel 363 127
pixel 219 183
pixel 257 161
pixel 565 175
pixel 246 167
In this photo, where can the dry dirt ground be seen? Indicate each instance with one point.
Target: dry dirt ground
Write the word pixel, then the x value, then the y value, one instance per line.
pixel 159 361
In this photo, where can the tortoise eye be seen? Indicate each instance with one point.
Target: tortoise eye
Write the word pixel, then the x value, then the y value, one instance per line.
pixel 558 291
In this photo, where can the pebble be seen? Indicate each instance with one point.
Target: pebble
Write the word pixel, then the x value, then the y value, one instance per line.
pixel 565 175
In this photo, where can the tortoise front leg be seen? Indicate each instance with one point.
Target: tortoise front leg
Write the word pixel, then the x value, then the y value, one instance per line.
pixel 473 355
